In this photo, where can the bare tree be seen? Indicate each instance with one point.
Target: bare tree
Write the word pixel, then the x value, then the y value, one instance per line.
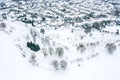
pixel 33 33
pixel 2 25
pixel 111 47
pixel 55 64
pixel 51 50
pixel 63 64
pixel 32 59
pixel 44 51
pixel 59 51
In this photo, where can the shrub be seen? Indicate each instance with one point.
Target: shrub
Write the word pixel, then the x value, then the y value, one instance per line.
pixel 87 28
pixel 101 16
pixel 42 31
pixel 117 32
pixel 117 23
pixel 78 19
pixel 91 14
pixel 96 25
pixel 104 23
pixel 4 16
pixel 81 47
pixel 117 12
pixel 86 17
pixel 2 4
pixel 33 47
pixel 68 20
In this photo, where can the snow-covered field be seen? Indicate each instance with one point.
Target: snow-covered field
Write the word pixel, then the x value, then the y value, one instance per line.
pixel 59 40
pixel 14 67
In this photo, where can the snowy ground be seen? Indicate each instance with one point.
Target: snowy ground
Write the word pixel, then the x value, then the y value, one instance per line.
pixel 85 35
pixel 14 67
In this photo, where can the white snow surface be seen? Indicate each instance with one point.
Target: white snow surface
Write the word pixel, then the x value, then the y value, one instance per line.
pixel 14 67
